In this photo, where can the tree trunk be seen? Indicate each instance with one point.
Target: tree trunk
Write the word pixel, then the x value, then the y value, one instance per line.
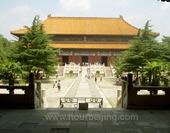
pixel 11 81
pixel 37 74
pixel 137 74
pixel 149 80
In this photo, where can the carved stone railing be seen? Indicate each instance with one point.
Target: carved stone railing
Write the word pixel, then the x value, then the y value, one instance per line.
pixel 71 67
pixel 154 97
pixel 9 98
pixel 77 100
pixel 98 67
pixel 122 96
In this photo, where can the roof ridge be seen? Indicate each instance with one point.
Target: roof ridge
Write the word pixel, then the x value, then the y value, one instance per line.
pixel 130 24
pixel 82 18
pixel 87 26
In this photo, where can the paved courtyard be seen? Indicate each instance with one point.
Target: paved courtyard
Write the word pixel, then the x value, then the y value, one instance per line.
pixel 81 86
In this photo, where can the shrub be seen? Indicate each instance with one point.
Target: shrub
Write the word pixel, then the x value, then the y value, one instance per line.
pixel 71 72
pixel 98 72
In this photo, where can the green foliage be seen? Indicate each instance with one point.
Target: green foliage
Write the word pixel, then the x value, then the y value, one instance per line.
pixel 71 72
pixel 144 47
pixel 2 54
pixel 34 52
pixel 146 56
pixel 153 70
pixel 166 46
pixel 3 44
pixel 10 70
pixel 118 65
pixel 97 72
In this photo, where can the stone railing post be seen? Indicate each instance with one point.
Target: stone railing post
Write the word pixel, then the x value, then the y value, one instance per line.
pixel 38 92
pixel 130 91
pixel 124 94
pixel 44 100
pixel 31 91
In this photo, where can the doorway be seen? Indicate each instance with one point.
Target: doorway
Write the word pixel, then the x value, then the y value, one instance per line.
pixel 104 60
pixel 65 60
pixel 84 59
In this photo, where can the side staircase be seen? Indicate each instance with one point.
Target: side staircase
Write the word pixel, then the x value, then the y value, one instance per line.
pixel 108 72
pixel 60 70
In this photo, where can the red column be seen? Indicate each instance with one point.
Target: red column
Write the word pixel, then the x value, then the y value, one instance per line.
pixel 73 58
pixel 96 59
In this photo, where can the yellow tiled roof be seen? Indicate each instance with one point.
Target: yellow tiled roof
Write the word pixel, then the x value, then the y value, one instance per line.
pixel 86 26
pixel 91 45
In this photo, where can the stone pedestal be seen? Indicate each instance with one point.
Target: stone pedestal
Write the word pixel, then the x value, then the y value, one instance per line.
pixel 83 106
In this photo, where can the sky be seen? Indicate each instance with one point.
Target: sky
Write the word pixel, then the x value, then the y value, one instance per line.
pixel 14 14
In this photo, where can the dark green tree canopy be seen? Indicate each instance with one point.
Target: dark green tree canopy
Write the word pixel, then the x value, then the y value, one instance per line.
pixel 144 47
pixel 146 56
pixel 33 50
pixel 4 45
pixel 166 46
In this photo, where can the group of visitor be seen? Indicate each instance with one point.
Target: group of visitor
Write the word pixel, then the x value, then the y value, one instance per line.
pixel 57 83
pixel 120 78
pixel 137 81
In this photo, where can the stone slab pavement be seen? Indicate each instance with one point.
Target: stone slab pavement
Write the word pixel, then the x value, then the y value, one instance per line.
pixel 109 90
pixel 52 95
pixel 86 87
pixel 52 120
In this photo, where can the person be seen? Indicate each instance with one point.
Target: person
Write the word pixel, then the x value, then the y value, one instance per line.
pixel 139 82
pixel 56 76
pixel 39 75
pixel 88 75
pixel 125 78
pixel 136 81
pixel 117 80
pixel 100 78
pixel 80 71
pixel 55 82
pixel 95 79
pixel 59 85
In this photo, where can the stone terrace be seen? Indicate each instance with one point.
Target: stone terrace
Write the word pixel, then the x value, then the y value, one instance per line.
pixel 91 121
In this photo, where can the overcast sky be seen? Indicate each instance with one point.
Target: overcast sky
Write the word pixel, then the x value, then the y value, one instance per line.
pixel 14 14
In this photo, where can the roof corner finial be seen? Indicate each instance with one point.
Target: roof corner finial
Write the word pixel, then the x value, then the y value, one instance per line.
pixel 49 15
pixel 121 17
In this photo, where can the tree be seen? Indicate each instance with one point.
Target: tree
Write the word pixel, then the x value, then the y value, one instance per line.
pixel 3 43
pixel 118 65
pixel 144 47
pixel 34 52
pixel 166 53
pixel 2 54
pixel 166 45
pixel 10 71
pixel 156 72
pixel 146 56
